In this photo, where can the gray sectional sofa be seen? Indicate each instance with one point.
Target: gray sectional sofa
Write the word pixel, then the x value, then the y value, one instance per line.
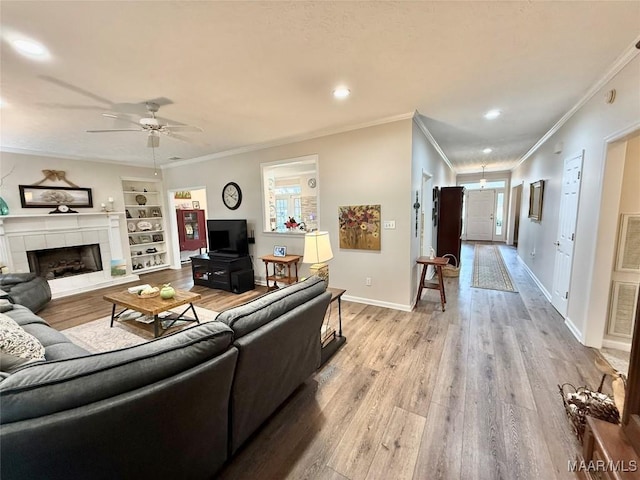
pixel 175 407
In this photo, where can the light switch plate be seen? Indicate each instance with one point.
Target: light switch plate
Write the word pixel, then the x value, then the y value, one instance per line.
pixel 389 224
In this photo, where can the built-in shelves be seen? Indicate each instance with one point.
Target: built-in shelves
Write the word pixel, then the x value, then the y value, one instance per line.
pixel 145 225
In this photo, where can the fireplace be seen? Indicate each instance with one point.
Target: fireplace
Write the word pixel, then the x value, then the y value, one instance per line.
pixel 52 263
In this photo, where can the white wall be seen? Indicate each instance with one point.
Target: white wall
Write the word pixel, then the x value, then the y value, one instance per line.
pixel 597 216
pixel 424 159
pixel 104 179
pixel 366 166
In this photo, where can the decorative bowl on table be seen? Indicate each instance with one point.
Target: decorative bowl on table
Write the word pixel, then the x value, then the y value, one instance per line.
pixel 149 292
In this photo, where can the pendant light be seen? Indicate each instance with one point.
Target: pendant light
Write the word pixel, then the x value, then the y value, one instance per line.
pixel 483 181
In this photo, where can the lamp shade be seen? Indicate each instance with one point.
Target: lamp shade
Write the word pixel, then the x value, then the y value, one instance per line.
pixel 317 247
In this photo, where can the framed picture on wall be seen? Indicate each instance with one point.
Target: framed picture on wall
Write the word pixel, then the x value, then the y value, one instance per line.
pixel 196 205
pixel 536 191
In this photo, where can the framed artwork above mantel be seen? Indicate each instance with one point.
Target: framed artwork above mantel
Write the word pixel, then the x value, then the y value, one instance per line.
pixel 38 196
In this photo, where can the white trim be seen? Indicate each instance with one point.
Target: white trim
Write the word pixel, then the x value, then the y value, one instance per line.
pixel 378 303
pixel 66 156
pixel 615 344
pixel 621 62
pixel 423 128
pixel 535 279
pixel 288 140
pixel 132 277
pixel 574 330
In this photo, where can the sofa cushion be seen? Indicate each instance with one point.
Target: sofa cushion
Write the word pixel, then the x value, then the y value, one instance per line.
pixel 252 315
pixel 23 316
pixel 9 279
pixel 5 305
pixel 16 345
pixel 75 382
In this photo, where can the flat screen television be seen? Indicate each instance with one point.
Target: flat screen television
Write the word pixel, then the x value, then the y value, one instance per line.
pixel 228 238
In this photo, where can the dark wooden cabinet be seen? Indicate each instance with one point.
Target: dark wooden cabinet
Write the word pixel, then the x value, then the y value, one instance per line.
pixel 192 231
pixel 449 214
pixel 225 273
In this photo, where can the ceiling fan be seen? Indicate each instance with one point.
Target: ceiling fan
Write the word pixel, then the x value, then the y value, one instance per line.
pixel 152 126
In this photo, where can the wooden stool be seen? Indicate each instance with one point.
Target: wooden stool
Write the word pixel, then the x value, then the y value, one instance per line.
pixel 437 262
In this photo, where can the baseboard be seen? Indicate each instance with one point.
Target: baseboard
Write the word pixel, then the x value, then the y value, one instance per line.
pixel 366 301
pixel 616 344
pixel 96 286
pixel 574 330
pixel 535 279
pixel 378 303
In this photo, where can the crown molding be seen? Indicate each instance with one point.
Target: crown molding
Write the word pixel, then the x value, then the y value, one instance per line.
pixel 621 62
pixel 289 140
pixel 64 156
pixel 423 128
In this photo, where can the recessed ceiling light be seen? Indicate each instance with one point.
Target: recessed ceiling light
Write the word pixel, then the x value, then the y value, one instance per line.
pixel 487 150
pixel 341 92
pixel 491 114
pixel 30 48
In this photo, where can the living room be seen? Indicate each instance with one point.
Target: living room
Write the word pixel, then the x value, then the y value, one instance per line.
pixel 376 155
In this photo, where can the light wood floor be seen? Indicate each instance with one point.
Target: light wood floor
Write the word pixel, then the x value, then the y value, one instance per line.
pixel 465 394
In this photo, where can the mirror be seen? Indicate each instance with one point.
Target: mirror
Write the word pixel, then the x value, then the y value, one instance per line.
pixel 290 195
pixel 536 190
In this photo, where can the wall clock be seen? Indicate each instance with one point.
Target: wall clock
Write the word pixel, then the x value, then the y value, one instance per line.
pixel 311 182
pixel 232 195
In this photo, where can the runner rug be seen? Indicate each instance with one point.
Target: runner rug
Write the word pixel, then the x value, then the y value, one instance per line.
pixel 132 329
pixel 489 270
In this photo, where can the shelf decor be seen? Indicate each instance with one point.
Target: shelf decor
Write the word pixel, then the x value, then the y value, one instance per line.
pixel 359 227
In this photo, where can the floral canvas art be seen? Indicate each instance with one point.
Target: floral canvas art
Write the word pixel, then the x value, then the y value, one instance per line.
pixel 359 227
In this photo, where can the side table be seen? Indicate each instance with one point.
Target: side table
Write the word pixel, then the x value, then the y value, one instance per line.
pixel 331 347
pixel 287 260
pixel 438 263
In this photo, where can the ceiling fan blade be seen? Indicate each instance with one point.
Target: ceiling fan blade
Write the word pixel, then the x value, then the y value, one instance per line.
pixel 179 137
pixel 73 88
pixel 160 101
pixel 120 119
pixel 117 130
pixel 183 128
pixel 69 107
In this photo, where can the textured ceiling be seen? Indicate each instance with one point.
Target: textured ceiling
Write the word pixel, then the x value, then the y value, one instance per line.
pixel 254 72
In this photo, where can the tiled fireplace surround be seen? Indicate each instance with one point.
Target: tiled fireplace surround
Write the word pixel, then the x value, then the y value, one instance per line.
pixel 22 233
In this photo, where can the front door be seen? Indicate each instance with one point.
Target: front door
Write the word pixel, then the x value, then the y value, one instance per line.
pixel 480 208
pixel 570 196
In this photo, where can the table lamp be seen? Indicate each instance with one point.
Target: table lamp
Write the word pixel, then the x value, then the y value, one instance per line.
pixel 317 250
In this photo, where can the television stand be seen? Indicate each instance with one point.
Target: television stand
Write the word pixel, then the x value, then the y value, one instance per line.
pixel 219 271
pixel 223 255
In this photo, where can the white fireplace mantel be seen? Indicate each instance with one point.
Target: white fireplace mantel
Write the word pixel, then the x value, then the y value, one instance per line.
pixel 22 233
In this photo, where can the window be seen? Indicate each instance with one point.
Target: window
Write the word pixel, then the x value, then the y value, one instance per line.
pixel 290 190
pixel 499 212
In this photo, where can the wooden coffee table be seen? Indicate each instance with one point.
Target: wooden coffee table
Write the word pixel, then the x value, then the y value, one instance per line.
pixel 154 306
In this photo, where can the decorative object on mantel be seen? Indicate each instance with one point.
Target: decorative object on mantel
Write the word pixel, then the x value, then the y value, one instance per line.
pixel 416 207
pixel 4 208
pixel 291 224
pixel 63 209
pixel 359 227
pixel 54 176
pixel 42 197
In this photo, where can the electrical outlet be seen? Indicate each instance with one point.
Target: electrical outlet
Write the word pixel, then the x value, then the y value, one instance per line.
pixel 389 225
pixel 367 281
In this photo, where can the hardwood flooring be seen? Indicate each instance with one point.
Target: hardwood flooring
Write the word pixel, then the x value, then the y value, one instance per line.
pixel 470 393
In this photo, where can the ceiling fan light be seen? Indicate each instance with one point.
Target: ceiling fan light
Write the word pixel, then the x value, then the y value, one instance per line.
pixel 153 141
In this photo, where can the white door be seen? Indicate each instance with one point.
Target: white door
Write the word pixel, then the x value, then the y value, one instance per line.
pixel 570 197
pixel 480 208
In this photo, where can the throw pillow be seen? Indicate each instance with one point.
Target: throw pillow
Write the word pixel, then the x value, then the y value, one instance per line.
pixel 17 347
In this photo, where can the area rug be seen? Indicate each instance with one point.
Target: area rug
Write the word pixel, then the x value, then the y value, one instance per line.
pixel 489 270
pixel 618 359
pixel 97 336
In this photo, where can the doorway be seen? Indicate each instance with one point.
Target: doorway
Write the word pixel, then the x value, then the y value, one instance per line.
pixel 567 218
pixel 186 198
pixel 426 221
pixel 516 205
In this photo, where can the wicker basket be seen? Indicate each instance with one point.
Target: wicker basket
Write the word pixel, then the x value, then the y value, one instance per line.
pixel 580 402
pixel 450 270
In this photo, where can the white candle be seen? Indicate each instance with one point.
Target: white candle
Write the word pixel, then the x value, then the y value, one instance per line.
pixel 102 205
pixel 110 199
